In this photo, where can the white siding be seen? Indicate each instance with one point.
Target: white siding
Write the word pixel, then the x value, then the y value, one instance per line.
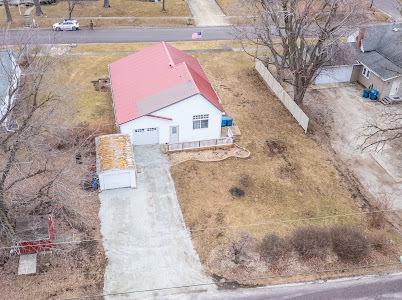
pixel 335 74
pixel 115 179
pixel 181 114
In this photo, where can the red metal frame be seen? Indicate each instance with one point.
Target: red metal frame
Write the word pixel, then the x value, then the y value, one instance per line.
pixel 30 247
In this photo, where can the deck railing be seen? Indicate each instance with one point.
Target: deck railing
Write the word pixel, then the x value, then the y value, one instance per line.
pixel 225 141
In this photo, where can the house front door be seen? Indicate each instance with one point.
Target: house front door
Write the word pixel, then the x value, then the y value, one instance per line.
pixel 174 134
pixel 395 88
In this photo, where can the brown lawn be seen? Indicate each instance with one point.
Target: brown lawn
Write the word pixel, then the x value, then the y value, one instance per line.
pixel 289 181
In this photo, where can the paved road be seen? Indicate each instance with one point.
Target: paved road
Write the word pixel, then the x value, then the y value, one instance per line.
pixel 145 239
pixel 116 35
pixel 391 7
pixel 376 287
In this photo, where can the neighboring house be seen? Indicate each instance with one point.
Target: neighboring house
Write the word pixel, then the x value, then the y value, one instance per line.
pixel 341 66
pixel 9 76
pixel 162 95
pixel 373 58
pixel 380 58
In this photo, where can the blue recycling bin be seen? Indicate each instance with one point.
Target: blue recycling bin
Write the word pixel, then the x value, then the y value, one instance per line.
pixel 373 95
pixel 366 93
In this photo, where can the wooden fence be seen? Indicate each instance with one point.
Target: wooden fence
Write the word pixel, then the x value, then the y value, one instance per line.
pixel 282 95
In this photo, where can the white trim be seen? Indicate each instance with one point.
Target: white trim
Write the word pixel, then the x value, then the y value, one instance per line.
pixel 366 72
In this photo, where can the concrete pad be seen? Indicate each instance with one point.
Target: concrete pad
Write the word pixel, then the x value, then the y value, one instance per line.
pixel 386 159
pixel 343 110
pixel 207 13
pixel 147 245
pixel 27 264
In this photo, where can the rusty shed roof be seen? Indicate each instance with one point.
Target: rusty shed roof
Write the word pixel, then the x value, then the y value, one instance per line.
pixel 114 152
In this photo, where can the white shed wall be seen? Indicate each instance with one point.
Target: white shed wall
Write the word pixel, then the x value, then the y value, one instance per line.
pixel 336 74
pixel 115 179
pixel 181 114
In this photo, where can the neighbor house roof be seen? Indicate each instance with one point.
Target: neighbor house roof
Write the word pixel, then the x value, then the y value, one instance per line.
pixel 154 78
pixel 382 46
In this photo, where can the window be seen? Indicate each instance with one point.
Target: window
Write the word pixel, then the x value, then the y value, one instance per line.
pixel 200 121
pixel 366 72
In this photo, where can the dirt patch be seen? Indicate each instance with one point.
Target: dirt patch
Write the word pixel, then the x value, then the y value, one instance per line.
pixel 237 192
pixel 211 155
pixel 275 148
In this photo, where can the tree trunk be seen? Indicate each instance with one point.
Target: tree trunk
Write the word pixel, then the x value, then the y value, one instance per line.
pixel 163 5
pixel 5 224
pixel 298 92
pixel 8 12
pixel 38 8
pixel 106 3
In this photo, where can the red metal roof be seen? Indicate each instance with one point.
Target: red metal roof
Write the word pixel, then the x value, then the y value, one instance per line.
pixel 154 78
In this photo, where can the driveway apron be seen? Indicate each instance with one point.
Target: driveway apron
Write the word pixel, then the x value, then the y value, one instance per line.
pixel 207 13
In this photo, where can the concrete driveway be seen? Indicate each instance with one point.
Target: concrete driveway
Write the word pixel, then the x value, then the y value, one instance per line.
pixel 207 13
pixel 145 239
pixel 343 111
pixel 390 7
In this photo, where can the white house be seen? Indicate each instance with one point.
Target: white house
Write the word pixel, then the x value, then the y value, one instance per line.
pixel 372 57
pixel 162 95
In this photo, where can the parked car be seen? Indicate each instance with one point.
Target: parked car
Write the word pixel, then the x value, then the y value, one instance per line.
pixel 66 25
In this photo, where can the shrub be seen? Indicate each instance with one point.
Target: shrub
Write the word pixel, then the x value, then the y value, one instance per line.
pixel 241 248
pixel 349 243
pixel 274 247
pixel 378 241
pixel 311 242
pixel 377 218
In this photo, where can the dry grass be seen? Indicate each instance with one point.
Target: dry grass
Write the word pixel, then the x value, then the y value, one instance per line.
pixel 299 181
pixel 122 47
pixel 87 105
pixel 119 8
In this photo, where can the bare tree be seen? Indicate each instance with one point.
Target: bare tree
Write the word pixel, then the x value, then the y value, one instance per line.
pixel 301 36
pixel 34 168
pixel 71 5
pixel 38 8
pixel 163 6
pixel 384 128
pixel 8 12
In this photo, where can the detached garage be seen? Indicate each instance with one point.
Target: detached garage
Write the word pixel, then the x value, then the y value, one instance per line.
pixel 115 162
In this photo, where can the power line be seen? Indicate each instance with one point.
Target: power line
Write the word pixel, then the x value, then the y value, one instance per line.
pixel 223 282
pixel 230 227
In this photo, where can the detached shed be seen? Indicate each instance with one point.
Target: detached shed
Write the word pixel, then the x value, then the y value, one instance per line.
pixel 115 162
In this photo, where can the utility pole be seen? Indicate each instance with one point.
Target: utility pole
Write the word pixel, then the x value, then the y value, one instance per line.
pixel 371 4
